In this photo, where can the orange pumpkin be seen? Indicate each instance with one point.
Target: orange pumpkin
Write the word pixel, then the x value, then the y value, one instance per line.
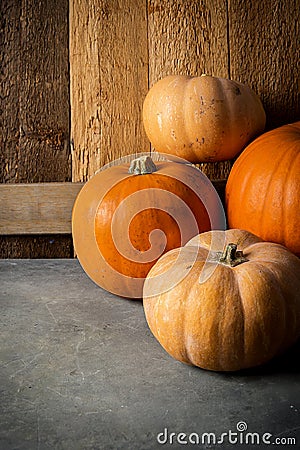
pixel 263 188
pixel 127 216
pixel 225 301
pixel 202 119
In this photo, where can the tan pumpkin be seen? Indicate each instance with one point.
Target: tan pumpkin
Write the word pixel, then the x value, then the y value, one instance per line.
pixel 225 301
pixel 127 215
pixel 202 119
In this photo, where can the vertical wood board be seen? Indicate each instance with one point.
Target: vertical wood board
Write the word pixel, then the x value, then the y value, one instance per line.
pixel 34 91
pixel 34 110
pixel 187 37
pixel 109 79
pixel 264 38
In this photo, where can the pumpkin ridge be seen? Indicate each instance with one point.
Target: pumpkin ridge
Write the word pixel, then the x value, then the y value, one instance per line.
pixel 272 346
pixel 220 322
pixel 189 292
pixel 275 278
pixel 259 320
pixel 253 251
pixel 242 239
pixel 240 323
pixel 182 352
pixel 294 164
pixel 185 106
pixel 188 354
pixel 271 172
pixel 231 107
pixel 243 315
pixel 226 318
pixel 284 218
pixel 179 124
pixel 283 186
pixel 285 272
pixel 155 313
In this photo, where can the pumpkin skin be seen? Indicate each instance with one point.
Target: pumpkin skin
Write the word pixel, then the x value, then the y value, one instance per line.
pixel 202 119
pixel 263 188
pixel 123 222
pixel 236 317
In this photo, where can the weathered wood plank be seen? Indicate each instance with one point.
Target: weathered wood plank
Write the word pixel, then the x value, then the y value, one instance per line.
pixel 34 113
pixel 109 80
pixel 264 41
pixel 34 91
pixel 10 62
pixel 189 38
pixel 42 208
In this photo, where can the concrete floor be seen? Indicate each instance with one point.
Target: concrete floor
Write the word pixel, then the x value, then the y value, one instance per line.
pixel 81 370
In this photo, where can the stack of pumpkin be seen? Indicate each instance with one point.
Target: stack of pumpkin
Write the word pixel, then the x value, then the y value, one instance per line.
pixel 215 298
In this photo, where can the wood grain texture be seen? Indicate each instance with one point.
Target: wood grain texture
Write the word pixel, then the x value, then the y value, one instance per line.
pixel 109 79
pixel 34 109
pixel 37 208
pixel 189 38
pixel 34 91
pixel 264 46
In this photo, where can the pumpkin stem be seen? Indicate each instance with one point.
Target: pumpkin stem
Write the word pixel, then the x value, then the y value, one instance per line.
pixel 142 165
pixel 231 256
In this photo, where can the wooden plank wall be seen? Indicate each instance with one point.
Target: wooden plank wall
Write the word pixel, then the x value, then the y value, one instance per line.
pixel 264 48
pixel 247 40
pixel 109 77
pixel 131 44
pixel 116 50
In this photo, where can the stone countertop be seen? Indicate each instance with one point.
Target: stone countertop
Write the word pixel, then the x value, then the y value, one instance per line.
pixel 80 369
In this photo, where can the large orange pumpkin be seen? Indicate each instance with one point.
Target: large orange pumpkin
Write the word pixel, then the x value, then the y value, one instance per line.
pixel 127 216
pixel 202 119
pixel 263 188
pixel 225 301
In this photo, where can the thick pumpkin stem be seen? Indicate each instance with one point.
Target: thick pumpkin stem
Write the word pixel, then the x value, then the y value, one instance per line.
pixel 231 256
pixel 142 165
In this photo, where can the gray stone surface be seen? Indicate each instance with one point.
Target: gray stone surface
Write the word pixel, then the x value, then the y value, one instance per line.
pixel 81 370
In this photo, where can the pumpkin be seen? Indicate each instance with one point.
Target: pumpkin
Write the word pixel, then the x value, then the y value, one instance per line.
pixel 263 187
pixel 127 215
pixel 202 119
pixel 225 301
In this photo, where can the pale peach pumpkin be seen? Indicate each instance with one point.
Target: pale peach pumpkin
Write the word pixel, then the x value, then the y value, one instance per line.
pixel 202 119
pixel 225 301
